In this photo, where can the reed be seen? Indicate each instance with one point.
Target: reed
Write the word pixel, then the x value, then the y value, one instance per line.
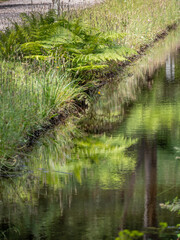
pixel 27 101
pixel 140 20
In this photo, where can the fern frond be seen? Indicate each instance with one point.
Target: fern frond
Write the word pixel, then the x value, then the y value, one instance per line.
pixel 89 67
pixel 8 44
pixel 33 48
pixel 39 57
pixel 112 35
pixel 43 37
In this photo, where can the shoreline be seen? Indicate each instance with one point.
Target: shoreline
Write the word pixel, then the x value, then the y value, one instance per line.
pixel 80 107
pixel 34 128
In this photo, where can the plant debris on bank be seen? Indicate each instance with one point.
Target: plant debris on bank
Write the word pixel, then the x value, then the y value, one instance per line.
pixel 49 61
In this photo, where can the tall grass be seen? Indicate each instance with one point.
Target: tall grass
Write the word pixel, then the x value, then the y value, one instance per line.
pixel 141 20
pixel 28 100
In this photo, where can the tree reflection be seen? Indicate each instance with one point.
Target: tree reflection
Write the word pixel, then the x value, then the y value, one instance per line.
pixel 150 165
pixel 170 68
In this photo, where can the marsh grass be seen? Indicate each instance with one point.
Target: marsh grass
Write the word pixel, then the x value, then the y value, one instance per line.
pixel 27 101
pixel 140 20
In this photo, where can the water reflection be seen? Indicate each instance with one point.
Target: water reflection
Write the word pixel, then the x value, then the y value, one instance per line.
pixel 92 187
pixel 109 111
pixel 170 68
pixel 150 202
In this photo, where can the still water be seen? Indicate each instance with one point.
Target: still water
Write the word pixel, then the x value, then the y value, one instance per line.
pixel 114 177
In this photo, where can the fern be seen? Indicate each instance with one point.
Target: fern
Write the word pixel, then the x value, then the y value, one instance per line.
pixel 8 44
pixel 88 67
pixel 44 37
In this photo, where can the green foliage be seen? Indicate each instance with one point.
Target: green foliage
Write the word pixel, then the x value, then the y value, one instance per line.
pixel 8 44
pixel 27 101
pixel 163 226
pixel 129 235
pixel 47 37
pixel 173 206
pixel 4 234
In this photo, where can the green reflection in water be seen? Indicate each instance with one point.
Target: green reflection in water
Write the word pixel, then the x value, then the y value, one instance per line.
pixel 54 163
pixel 33 203
pixel 158 109
pixel 108 153
pixel 105 154
pixel 107 113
